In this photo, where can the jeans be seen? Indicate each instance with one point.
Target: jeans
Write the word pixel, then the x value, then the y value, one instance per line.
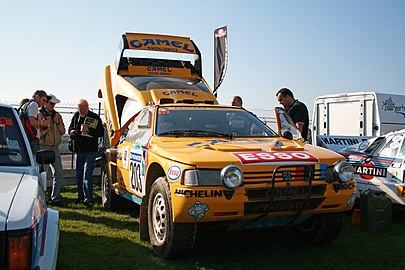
pixel 84 173
pixel 57 173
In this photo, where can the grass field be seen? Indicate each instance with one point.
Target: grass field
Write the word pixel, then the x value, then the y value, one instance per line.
pixel 92 238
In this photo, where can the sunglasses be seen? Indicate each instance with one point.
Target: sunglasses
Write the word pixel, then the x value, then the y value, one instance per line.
pixel 51 103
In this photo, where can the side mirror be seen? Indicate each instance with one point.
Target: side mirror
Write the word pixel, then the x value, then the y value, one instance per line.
pixel 44 157
pixel 288 135
pixel 286 124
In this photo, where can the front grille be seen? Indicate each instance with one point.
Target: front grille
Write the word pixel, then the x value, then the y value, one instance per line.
pixel 284 193
pixel 294 173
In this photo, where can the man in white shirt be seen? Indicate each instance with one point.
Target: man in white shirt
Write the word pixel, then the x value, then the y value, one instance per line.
pixel 38 99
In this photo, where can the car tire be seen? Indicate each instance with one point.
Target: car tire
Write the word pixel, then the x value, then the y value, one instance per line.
pixel 109 199
pixel 169 239
pixel 321 229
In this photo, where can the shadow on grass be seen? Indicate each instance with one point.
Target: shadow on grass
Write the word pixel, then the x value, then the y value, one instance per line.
pixel 255 249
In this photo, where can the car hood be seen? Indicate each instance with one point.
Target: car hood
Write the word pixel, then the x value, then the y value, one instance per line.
pixel 211 152
pixel 17 191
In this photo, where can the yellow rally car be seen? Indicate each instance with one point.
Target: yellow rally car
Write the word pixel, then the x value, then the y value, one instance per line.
pixel 185 160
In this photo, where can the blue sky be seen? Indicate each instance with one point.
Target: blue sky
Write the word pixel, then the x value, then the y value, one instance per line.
pixel 313 47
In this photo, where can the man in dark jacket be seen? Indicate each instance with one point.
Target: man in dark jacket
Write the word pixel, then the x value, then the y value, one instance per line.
pixel 295 109
pixel 85 128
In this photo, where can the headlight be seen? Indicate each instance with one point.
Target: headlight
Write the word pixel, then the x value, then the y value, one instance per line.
pixel 343 171
pixel 202 177
pixel 232 176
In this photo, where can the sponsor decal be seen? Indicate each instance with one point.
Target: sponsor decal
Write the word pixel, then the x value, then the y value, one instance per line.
pixel 340 141
pixel 363 146
pixel 181 92
pixel 274 157
pixel 389 105
pixel 251 208
pixel 368 171
pixel 125 158
pixel 137 171
pixel 198 210
pixel 187 193
pixel 109 123
pixel 284 192
pixel 168 45
pixel 345 186
pixel 174 172
pixel 5 121
pixel 163 111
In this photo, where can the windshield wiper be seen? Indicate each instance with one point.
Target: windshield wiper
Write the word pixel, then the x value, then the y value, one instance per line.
pixel 191 132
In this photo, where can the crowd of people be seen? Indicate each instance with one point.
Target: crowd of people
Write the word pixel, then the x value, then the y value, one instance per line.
pixel 48 127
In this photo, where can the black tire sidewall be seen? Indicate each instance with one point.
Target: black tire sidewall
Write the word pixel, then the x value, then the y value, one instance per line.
pixel 105 188
pixel 160 186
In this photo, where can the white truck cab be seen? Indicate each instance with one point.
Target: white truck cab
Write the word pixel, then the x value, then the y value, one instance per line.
pixel 341 120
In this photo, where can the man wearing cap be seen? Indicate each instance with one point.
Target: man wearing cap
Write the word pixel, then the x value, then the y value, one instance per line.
pixel 50 140
pixel 39 98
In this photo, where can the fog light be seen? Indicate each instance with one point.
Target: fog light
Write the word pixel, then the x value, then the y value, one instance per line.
pixel 232 176
pixel 343 171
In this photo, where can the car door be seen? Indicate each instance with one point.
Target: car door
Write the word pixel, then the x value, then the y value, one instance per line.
pixel 132 151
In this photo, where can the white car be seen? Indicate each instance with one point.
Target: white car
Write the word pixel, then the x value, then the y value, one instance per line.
pixel 379 164
pixel 29 231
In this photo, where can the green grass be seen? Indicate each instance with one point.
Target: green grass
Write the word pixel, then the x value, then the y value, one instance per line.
pixel 92 238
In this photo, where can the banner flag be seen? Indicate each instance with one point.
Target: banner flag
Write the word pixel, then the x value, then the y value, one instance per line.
pixel 220 56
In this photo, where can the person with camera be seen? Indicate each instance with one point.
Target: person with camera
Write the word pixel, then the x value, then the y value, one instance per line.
pixel 84 130
pixel 31 107
pixel 50 140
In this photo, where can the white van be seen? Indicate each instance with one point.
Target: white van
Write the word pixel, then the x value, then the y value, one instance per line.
pixel 341 120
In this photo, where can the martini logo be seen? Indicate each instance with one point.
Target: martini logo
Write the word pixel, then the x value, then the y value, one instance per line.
pixel 368 171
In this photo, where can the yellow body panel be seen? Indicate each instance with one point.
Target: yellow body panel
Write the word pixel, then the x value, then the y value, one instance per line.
pixel 220 203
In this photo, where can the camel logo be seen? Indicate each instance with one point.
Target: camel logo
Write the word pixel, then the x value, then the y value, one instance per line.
pixel 198 210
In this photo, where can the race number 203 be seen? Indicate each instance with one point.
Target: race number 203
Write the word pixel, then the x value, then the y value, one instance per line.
pixel 135 172
pixel 274 157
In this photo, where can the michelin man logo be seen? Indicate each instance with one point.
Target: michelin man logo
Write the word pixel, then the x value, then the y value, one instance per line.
pixel 198 210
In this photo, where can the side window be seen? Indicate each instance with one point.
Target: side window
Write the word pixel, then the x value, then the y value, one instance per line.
pixel 140 129
pixel 401 153
pixel 392 146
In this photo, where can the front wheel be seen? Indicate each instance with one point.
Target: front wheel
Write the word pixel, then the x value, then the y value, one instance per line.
pixel 321 229
pixel 169 239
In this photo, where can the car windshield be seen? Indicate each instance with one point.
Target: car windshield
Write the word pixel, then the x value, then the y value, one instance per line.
pixel 148 83
pixel 13 151
pixel 209 122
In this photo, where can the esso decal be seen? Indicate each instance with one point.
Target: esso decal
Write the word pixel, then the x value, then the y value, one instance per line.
pixel 174 172
pixel 266 157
